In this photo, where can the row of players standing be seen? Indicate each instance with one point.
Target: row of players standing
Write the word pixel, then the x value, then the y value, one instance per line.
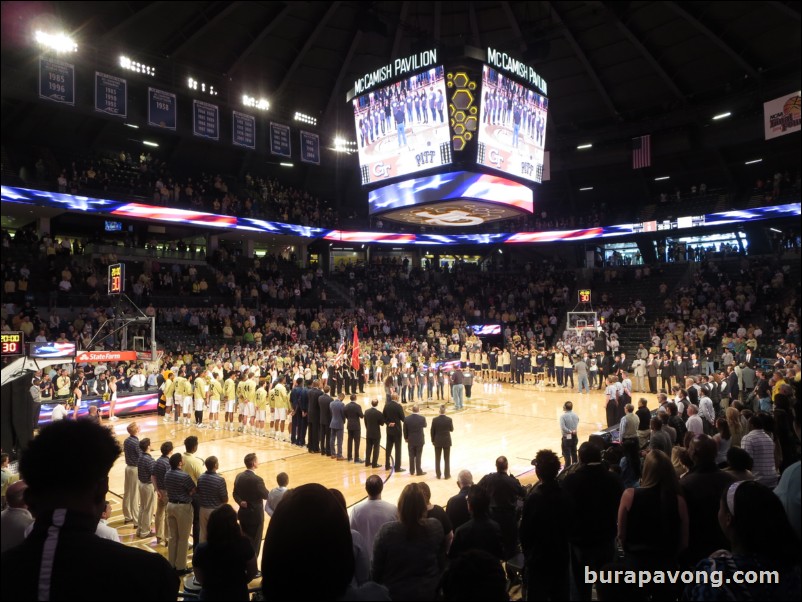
pixel 386 114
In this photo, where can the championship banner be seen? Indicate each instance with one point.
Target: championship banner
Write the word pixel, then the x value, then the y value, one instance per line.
pixel 57 81
pixel 205 120
pixel 111 95
pixel 243 130
pixel 96 357
pixel 781 115
pixel 161 109
pixel 280 140
pixel 310 148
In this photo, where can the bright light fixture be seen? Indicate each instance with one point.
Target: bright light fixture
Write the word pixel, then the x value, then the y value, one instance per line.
pixel 132 125
pixel 286 164
pixel 149 143
pixel 250 101
pixel 753 161
pixel 59 42
pixel 662 178
pixel 721 116
pixel 303 118
pixel 136 66
pixel 586 188
pixel 584 146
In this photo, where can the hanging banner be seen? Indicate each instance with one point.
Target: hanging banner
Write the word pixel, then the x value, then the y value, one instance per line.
pixel 310 148
pixel 280 140
pixel 205 120
pixel 243 130
pixel 781 115
pixel 111 95
pixel 161 109
pixel 57 81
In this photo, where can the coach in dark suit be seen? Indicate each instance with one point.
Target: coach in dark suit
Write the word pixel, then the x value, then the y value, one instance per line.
pixel 313 395
pixel 324 404
pixel 374 420
pixel 353 423
pixel 250 493
pixel 413 435
pixel 393 418
pixel 442 427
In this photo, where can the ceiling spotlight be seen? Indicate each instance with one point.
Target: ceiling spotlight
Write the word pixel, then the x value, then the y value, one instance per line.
pixel 721 116
pixel 59 42
pixel 584 146
pixel 149 143
pixel 753 161
pixel 250 101
pixel 662 178
pixel 286 164
pixel 303 118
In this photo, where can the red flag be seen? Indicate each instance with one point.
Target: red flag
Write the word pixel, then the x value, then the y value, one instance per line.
pixel 355 352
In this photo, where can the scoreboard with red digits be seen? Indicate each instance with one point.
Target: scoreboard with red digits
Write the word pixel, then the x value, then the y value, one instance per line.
pixel 584 295
pixel 116 278
pixel 12 343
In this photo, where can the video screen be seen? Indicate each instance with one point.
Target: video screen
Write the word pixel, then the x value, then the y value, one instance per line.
pixel 52 350
pixel 512 127
pixel 447 186
pixel 485 330
pixel 403 128
pixel 113 226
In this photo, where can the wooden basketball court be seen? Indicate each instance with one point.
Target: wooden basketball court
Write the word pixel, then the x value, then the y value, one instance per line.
pixel 500 419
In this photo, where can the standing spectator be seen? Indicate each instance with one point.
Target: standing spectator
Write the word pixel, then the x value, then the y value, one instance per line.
pixel 180 491
pixel 212 493
pixel 224 562
pixel 480 532
pixel 442 427
pixel 409 554
pixel 414 427
pixel 702 488
pixel 275 495
pixel 568 425
pixel 505 493
pixel 324 403
pixel 760 447
pixel 644 416
pixel 68 504
pixel 131 484
pixel 643 548
pixel 369 515
pixel 544 539
pixel 457 506
pixel 15 519
pixel 159 473
pixel 659 438
pixel 694 423
pixel 337 425
pixel 145 467
pixel 250 493
pixel 394 419
pixel 373 423
pixel 594 494
pixel 767 543
pixel 193 466
pixel 353 416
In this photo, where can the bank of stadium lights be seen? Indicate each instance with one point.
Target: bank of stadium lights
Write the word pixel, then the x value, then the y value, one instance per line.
pixel 721 116
pixel 136 66
pixel 250 101
pixel 584 146
pixel 341 145
pixel 303 118
pixel 194 84
pixel 57 42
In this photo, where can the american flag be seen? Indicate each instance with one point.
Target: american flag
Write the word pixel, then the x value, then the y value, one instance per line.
pixel 641 151
pixel 340 354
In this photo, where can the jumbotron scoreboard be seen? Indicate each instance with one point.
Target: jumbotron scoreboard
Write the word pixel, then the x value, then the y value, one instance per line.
pixel 456 142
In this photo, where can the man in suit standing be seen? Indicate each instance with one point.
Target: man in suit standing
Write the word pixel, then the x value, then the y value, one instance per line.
pixel 393 417
pixel 442 427
pixel 250 493
pixel 324 403
pixel 313 395
pixel 353 417
pixel 337 425
pixel 413 435
pixel 373 422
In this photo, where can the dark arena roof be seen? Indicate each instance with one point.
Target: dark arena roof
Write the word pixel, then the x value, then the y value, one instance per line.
pixel 615 71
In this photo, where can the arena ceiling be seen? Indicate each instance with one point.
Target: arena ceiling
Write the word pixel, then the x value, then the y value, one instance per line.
pixel 615 70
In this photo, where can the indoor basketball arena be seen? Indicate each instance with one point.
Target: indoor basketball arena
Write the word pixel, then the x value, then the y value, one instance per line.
pixel 400 301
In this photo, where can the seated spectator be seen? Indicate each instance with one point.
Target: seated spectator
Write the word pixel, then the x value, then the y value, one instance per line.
pixel 761 539
pixel 103 529
pixel 225 563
